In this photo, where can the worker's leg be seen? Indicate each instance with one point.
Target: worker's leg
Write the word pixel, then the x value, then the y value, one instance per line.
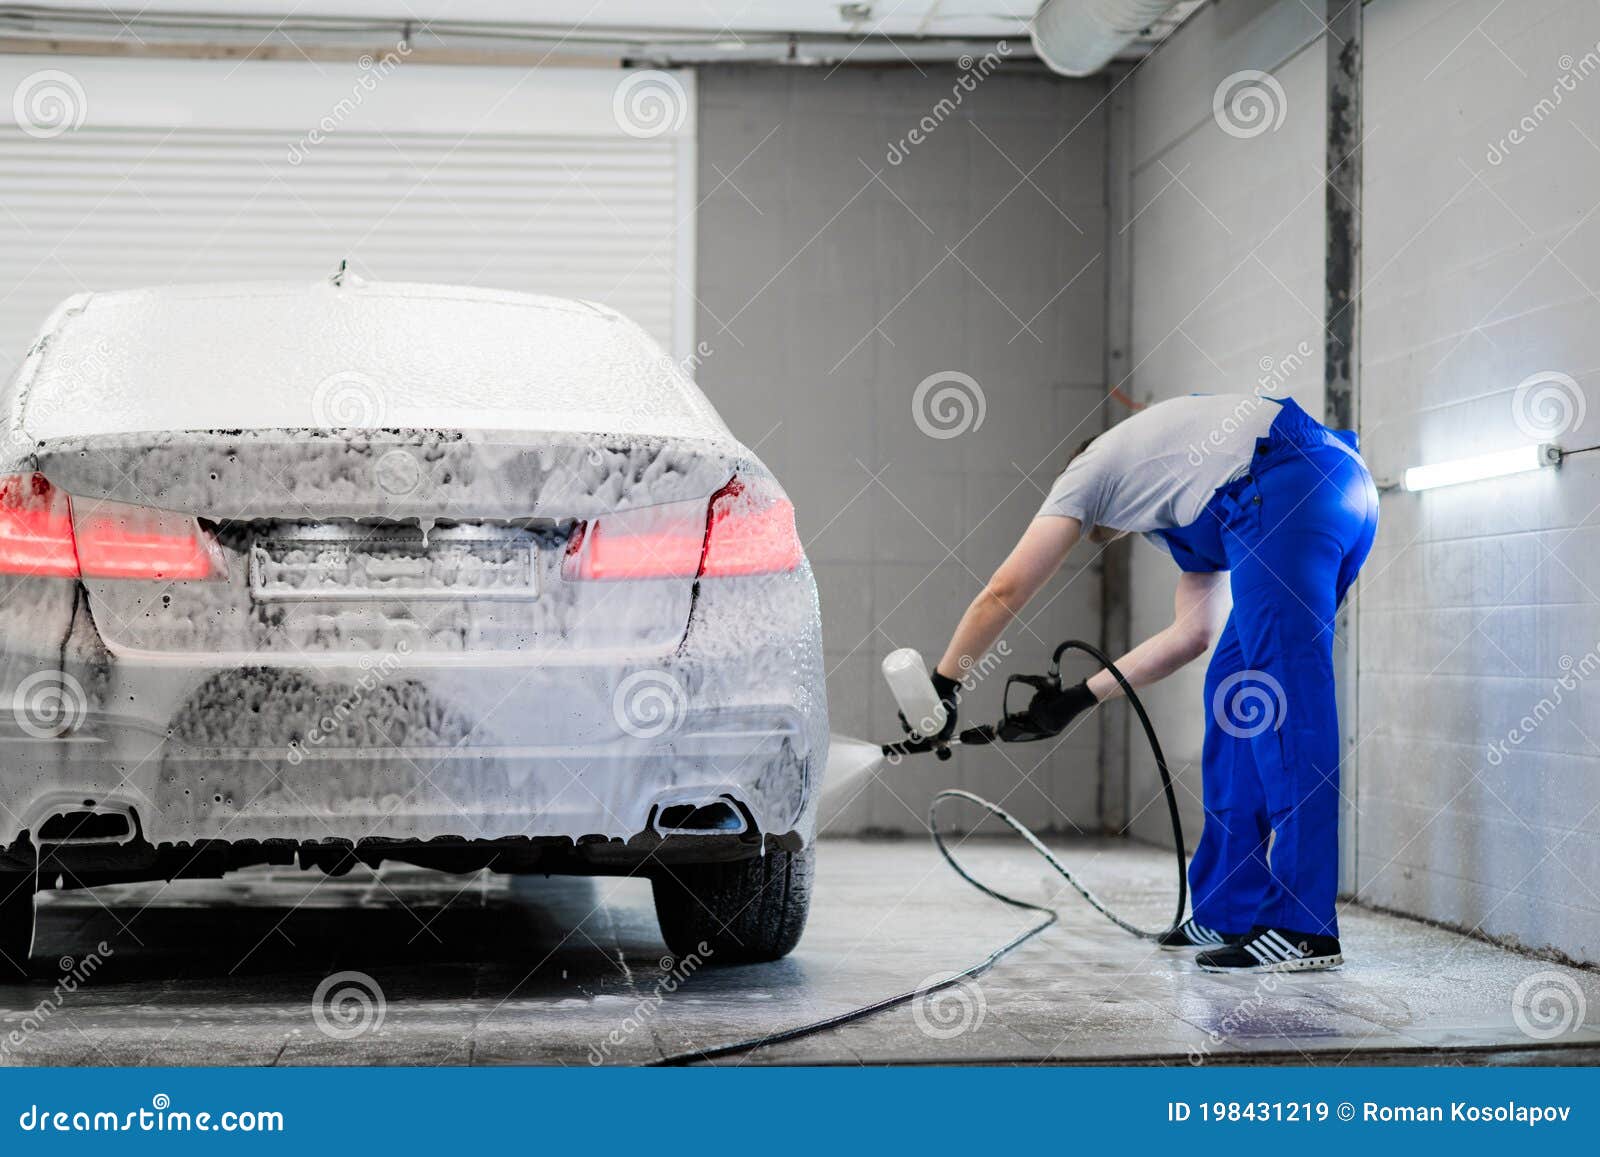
pixel 1228 875
pixel 1292 549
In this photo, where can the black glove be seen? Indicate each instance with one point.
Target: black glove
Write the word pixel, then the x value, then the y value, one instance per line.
pixel 949 692
pixel 1048 712
pixel 1052 709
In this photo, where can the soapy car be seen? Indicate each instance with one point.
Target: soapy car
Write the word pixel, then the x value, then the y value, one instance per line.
pixel 341 573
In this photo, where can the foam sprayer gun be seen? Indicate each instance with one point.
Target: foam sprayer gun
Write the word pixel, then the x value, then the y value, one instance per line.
pixel 923 715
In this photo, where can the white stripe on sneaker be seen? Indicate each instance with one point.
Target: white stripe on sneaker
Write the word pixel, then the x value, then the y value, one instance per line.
pixel 1257 949
pixel 1276 938
pixel 1277 949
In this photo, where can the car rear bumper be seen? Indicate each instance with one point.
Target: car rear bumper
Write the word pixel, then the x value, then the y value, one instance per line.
pixel 347 754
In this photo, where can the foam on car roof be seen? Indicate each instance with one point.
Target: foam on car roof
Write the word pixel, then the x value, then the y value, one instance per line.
pixel 363 355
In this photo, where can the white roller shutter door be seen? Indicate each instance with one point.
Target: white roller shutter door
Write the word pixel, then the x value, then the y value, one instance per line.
pixel 548 181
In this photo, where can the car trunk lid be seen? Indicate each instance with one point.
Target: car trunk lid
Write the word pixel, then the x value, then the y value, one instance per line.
pixel 339 543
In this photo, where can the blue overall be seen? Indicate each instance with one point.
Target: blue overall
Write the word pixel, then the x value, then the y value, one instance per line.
pixel 1293 532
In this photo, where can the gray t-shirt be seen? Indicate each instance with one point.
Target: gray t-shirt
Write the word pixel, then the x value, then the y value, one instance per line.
pixel 1157 469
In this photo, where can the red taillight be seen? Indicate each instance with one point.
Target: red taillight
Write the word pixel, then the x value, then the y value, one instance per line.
pixel 111 540
pixel 747 529
pixel 35 528
pixel 751 532
pixel 652 542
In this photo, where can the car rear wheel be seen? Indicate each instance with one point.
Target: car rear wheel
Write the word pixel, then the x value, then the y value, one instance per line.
pixel 736 913
pixel 16 925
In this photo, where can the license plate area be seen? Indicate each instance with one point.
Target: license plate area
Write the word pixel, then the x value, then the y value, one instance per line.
pixel 377 564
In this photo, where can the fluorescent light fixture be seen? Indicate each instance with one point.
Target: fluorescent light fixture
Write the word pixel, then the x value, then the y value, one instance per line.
pixel 1496 465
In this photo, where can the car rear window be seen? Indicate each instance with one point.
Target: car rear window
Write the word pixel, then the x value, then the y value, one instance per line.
pixel 355 357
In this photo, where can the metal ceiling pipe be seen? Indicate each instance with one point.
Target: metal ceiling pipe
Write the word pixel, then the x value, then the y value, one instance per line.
pixel 1080 37
pixel 123 31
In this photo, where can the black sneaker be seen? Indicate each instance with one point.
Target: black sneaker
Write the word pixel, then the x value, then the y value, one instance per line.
pixel 1192 935
pixel 1274 950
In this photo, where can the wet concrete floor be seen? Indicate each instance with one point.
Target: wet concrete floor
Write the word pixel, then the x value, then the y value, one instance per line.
pixel 411 967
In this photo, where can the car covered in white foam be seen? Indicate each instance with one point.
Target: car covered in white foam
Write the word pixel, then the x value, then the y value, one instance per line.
pixel 339 573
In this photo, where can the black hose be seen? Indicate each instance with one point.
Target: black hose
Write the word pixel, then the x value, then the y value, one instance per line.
pixel 1051 915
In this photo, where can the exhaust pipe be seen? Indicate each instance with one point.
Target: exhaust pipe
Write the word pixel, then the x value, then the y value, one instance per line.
pixel 89 825
pixel 719 816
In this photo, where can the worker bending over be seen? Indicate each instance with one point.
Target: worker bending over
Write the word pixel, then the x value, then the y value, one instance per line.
pixel 1254 494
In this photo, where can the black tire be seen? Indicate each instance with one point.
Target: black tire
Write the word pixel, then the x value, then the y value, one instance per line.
pixel 743 912
pixel 16 925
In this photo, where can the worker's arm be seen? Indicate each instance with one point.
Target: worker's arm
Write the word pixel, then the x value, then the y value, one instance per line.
pixel 1199 610
pixel 1044 546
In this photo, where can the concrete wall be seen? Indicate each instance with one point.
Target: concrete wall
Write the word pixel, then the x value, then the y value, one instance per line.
pixel 1226 264
pixel 1479 616
pixel 831 283
pixel 827 294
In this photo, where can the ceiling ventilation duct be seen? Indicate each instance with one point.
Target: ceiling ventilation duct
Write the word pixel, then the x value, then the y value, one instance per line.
pixel 1079 37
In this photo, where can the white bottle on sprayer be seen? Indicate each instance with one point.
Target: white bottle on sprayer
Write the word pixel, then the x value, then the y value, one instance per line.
pixel 907 676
